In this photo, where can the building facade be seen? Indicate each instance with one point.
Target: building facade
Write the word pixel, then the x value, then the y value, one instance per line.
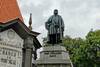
pixel 18 43
pixel 11 45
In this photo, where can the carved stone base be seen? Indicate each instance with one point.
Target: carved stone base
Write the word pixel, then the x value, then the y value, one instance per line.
pixel 53 56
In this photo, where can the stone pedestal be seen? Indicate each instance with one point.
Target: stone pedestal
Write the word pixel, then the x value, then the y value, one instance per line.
pixel 53 56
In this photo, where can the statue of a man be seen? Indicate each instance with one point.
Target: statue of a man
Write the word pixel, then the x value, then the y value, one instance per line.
pixel 55 27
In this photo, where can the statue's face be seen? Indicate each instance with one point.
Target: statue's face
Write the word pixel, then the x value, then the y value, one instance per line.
pixel 56 12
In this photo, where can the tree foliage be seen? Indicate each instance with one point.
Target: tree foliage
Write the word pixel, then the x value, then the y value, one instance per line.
pixel 84 52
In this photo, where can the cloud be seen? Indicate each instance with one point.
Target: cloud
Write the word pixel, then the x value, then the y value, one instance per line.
pixel 79 15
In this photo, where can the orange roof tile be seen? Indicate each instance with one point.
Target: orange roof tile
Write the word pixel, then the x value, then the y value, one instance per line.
pixel 9 10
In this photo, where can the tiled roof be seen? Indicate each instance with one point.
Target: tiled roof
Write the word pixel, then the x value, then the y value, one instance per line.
pixel 9 10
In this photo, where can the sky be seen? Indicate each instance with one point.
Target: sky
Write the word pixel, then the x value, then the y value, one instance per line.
pixel 79 15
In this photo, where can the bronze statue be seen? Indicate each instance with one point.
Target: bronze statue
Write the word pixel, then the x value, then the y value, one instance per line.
pixel 55 27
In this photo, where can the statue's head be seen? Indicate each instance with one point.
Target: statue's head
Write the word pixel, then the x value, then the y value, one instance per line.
pixel 55 12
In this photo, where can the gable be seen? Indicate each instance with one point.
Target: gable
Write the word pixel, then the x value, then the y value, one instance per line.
pixel 21 29
pixel 11 37
pixel 11 45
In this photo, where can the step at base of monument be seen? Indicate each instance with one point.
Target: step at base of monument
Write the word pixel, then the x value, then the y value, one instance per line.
pixel 53 65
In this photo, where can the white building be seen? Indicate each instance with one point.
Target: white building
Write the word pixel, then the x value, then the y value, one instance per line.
pixel 11 46
pixel 17 42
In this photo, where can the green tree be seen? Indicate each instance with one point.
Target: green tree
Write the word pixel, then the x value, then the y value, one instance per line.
pixel 84 52
pixel 76 47
pixel 93 38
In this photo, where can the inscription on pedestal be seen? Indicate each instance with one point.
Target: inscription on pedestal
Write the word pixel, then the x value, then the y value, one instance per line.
pixel 53 56
pixel 52 53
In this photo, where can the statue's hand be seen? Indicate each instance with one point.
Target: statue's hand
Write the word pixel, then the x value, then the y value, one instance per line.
pixel 56 26
pixel 62 29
